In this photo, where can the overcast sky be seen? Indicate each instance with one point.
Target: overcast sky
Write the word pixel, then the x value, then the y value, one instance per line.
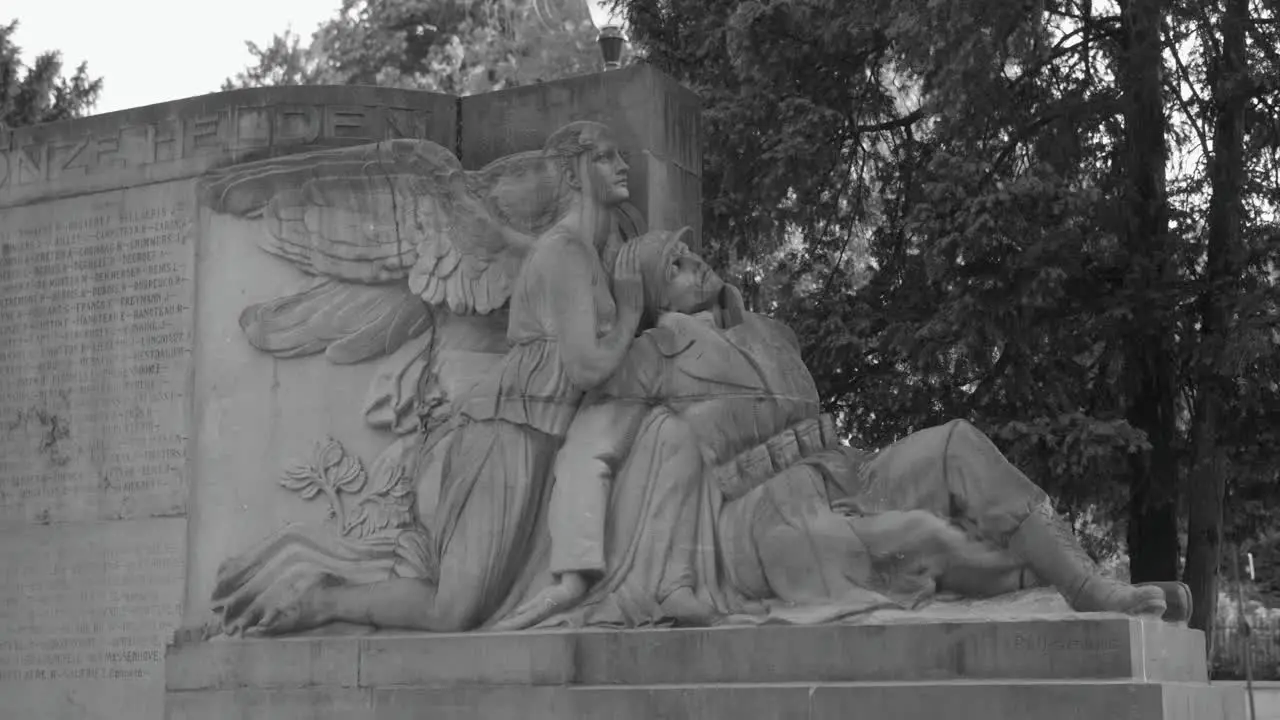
pixel 153 51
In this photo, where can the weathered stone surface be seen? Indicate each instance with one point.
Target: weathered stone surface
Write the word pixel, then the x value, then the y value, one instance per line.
pixel 1118 648
pixel 1079 700
pixel 318 703
pixel 1111 648
pixel 1086 668
pixel 1192 701
pixel 185 138
pixel 96 296
pixel 296 663
pixel 129 396
pixel 1172 653
pixel 255 415
pixel 85 611
pixel 803 701
pixel 99 230
pixel 493 659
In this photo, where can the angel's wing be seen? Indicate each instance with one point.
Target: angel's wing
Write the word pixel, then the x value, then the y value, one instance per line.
pixel 348 323
pixel 402 242
pixel 390 229
pixel 496 215
pixel 381 213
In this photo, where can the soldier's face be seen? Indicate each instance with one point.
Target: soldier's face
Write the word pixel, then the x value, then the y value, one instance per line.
pixel 692 286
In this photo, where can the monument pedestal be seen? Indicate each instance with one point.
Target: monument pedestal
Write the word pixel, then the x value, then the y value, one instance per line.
pixel 1096 667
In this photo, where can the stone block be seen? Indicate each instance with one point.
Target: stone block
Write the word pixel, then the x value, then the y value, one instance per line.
pixel 511 702
pixel 1108 648
pixel 785 702
pixel 1075 700
pixel 1050 669
pixel 1172 652
pixel 287 663
pixel 319 703
pixel 99 228
pixel 1193 701
pixel 656 121
pixel 185 138
pixel 961 700
pixel 477 659
pixel 84 612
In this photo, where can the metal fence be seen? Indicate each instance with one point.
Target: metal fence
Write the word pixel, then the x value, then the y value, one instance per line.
pixel 1262 645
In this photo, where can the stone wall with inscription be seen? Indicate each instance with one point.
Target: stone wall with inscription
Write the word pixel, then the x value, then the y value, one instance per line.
pixel 85 611
pixel 96 294
pixel 142 438
pixel 108 269
pixel 187 137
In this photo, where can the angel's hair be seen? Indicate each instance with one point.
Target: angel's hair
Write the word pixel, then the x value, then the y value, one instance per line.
pixel 574 139
pixel 569 146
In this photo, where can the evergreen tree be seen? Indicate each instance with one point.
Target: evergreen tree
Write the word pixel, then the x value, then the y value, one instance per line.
pixel 40 93
pixel 453 46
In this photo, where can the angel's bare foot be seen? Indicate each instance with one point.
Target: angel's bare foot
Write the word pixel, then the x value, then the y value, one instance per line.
pixel 568 590
pixel 684 606
pixel 303 612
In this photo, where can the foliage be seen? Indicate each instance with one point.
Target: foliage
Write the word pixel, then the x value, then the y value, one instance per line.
pixel 40 93
pixel 1256 638
pixel 454 46
pixel 337 474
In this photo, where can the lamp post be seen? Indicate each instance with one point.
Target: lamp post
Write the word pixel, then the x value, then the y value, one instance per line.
pixel 611 40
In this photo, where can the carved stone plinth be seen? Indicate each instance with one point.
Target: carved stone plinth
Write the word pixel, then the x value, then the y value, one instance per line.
pixel 1095 667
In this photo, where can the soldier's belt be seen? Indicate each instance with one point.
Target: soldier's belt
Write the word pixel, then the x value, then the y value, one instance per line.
pixel 750 468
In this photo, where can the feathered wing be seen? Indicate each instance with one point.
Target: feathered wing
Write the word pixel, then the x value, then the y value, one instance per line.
pixel 402 244
pixel 338 213
pixel 388 229
pixel 348 323
pixel 497 213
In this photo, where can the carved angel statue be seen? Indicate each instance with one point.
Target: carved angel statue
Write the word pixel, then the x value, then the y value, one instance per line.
pixel 487 294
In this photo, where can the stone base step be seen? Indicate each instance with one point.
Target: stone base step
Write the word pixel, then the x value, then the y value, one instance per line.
pixel 1096 667
pixel 1093 647
pixel 954 700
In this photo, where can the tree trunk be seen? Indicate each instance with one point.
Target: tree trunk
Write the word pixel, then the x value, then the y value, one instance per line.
pixel 1208 486
pixel 1153 497
pixel 1153 530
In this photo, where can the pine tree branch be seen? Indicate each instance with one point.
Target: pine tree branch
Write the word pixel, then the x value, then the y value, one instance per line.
pixel 1185 76
pixel 1030 129
pixel 909 119
pixel 981 392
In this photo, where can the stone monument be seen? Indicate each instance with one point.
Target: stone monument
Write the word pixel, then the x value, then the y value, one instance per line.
pixel 397 404
pixel 142 435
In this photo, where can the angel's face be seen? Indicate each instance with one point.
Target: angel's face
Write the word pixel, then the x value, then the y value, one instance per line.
pixel 608 172
pixel 692 286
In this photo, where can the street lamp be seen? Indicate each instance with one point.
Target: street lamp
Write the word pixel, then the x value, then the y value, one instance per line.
pixel 611 46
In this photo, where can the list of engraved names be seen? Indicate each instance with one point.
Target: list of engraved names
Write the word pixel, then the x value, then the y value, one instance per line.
pixel 95 338
pixel 97 606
